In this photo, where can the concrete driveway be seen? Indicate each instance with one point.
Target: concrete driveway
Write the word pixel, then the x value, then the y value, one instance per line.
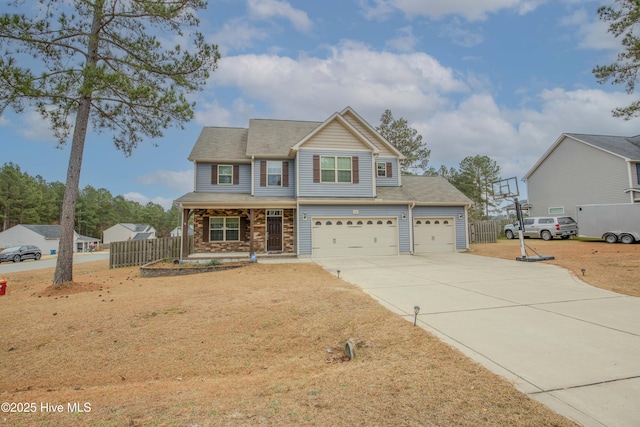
pixel 569 345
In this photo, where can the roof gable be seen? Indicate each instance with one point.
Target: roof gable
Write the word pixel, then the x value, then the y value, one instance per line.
pixel 336 118
pixel 386 148
pixel 627 148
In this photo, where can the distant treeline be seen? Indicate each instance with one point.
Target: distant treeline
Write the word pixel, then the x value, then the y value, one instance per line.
pixel 32 200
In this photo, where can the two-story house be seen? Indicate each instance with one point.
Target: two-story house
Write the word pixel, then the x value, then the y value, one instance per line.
pixel 583 169
pixel 315 189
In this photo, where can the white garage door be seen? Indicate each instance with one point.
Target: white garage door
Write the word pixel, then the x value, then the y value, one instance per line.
pixel 349 237
pixel 434 235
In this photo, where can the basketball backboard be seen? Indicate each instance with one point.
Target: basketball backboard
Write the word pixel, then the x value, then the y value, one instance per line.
pixel 505 188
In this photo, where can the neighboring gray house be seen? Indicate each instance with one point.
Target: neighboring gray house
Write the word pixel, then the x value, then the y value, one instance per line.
pixel 126 231
pixel 581 169
pixel 316 189
pixel 46 237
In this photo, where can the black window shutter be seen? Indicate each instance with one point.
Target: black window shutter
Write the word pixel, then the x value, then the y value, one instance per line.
pixel 316 168
pixel 236 174
pixel 355 170
pixel 205 229
pixel 263 173
pixel 285 174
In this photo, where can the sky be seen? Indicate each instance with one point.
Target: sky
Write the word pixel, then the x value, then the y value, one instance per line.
pixel 501 78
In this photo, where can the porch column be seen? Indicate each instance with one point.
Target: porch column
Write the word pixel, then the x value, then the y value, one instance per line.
pixel 252 217
pixel 184 249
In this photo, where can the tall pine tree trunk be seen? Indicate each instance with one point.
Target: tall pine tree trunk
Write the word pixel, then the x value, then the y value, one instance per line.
pixel 64 264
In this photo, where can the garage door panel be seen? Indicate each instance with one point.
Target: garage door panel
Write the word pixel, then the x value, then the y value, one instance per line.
pixel 348 237
pixel 434 235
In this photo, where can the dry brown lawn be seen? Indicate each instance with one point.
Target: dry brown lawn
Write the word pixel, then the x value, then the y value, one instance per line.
pixel 615 267
pixel 259 345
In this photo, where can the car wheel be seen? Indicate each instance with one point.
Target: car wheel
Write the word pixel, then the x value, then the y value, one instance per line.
pixel 38 255
pixel 610 238
pixel 508 234
pixel 546 235
pixel 627 239
pixel 17 258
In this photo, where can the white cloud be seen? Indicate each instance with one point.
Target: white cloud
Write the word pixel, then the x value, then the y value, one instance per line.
pixel 461 34
pixel 377 9
pixel 471 10
pixel 405 41
pixel 266 9
pixel 143 200
pixel 591 31
pixel 176 180
pixel 352 74
pixel 36 128
pixel 238 34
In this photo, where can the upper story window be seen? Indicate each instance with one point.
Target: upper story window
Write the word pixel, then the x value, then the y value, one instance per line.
pixel 638 173
pixel 335 169
pixel 382 169
pixel 225 174
pixel 274 174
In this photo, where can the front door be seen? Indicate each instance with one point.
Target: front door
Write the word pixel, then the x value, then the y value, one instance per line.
pixel 274 233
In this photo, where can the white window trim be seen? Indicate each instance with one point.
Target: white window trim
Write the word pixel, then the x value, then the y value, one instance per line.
pixel 224 229
pixel 559 208
pixel 336 170
pixel 384 175
pixel 229 175
pixel 274 174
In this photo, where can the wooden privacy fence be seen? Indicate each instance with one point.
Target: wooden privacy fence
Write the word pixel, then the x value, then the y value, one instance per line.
pixel 483 232
pixel 487 231
pixel 140 252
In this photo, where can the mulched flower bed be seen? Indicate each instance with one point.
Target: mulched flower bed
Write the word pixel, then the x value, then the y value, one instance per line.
pixel 163 268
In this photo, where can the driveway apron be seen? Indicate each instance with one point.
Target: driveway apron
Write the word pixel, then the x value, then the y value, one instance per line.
pixel 569 345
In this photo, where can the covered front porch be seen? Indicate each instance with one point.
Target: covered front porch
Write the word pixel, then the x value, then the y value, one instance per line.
pixel 238 233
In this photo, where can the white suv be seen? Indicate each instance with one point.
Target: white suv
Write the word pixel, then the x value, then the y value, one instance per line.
pixel 546 227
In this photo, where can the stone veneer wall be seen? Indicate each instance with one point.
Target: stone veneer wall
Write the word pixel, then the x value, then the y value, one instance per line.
pixel 288 231
pixel 259 231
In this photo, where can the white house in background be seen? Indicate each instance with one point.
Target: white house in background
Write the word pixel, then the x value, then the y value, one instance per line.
pixel 126 231
pixel 177 232
pixel 46 237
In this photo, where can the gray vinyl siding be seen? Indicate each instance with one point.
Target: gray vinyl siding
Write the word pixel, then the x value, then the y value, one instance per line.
pixel 203 180
pixel 346 211
pixel 446 212
pixel 395 172
pixel 274 191
pixel 307 188
pixel 577 174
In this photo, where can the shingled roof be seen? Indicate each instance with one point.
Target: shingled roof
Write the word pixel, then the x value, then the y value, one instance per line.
pixel 627 147
pixel 424 190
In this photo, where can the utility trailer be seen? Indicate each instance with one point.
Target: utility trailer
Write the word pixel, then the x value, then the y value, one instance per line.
pixel 612 223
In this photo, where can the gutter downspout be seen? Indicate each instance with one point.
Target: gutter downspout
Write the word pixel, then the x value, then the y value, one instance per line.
pixel 411 248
